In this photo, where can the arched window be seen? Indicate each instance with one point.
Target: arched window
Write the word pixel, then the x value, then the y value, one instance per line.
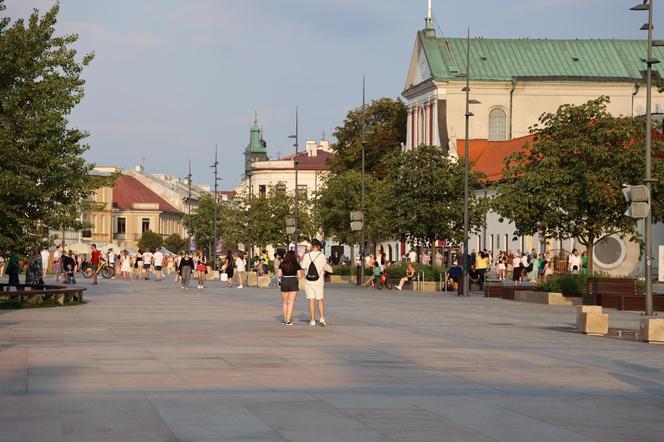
pixel 497 125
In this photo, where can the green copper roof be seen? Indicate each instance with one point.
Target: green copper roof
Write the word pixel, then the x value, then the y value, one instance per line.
pixel 255 144
pixel 565 60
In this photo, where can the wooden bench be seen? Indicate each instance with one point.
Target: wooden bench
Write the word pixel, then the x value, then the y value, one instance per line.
pixel 60 293
pixel 606 291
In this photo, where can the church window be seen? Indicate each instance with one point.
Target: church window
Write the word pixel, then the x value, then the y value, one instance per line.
pixel 497 125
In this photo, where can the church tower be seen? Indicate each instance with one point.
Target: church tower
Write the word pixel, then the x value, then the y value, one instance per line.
pixel 256 149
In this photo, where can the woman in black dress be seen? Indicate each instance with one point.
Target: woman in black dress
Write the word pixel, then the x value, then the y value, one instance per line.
pixel 228 267
pixel 290 274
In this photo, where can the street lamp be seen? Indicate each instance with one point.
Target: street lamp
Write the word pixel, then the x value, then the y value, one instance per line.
pixel 296 136
pixel 290 227
pixel 466 166
pixel 363 142
pixel 189 203
pixel 215 166
pixel 647 5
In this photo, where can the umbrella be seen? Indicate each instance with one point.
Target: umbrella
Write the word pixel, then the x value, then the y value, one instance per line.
pixel 79 247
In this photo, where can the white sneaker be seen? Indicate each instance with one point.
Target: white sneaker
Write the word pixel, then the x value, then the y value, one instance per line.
pixel 397 287
pixel 312 323
pixel 322 322
pixel 240 286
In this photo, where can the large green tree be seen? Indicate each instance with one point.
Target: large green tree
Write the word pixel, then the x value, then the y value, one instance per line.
pixel 385 122
pixel 567 183
pixel 340 195
pixel 43 176
pixel 426 196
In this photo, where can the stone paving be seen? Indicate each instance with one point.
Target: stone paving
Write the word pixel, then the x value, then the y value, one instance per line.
pixel 149 361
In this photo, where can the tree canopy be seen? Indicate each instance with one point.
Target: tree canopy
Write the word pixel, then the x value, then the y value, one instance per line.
pixel 385 130
pixel 568 182
pixel 44 178
pixel 150 241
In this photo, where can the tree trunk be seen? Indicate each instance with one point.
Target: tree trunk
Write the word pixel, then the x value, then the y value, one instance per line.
pixel 589 253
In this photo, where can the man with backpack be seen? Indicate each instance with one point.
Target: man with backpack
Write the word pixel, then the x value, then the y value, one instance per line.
pixel 315 265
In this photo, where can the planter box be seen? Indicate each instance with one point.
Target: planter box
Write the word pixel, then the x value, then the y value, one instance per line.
pixel 546 298
pixel 652 330
pixel 493 290
pixel 610 287
pixel 339 279
pixel 591 322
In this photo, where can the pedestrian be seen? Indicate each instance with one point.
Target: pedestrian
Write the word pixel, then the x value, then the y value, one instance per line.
pixel 69 267
pixel 412 256
pixel 502 265
pixel 2 264
pixel 148 257
pixel 95 257
pixel 481 265
pixel 158 258
pixel 200 274
pixel 228 268
pixel 584 263
pixel 454 274
pixel 45 258
pixel 275 280
pixel 177 266
pixel 375 275
pixel 111 259
pixel 517 265
pixel 240 269
pixel 186 266
pixel 125 265
pixel 33 273
pixel 548 265
pixel 13 269
pixel 410 274
pixel 289 273
pixel 314 265
pixel 138 264
pixel 574 260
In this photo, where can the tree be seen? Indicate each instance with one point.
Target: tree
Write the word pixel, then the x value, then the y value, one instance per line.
pixel 150 241
pixel 175 243
pixel 567 183
pixel 340 195
pixel 385 122
pixel 44 178
pixel 426 196
pixel 201 220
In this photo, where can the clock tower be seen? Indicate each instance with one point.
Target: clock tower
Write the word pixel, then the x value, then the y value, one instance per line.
pixel 256 149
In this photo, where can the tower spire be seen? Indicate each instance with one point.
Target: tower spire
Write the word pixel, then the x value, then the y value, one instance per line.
pixel 429 30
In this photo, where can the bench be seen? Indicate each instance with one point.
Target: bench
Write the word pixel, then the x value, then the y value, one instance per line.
pixel 607 291
pixel 509 291
pixel 60 293
pixel 493 289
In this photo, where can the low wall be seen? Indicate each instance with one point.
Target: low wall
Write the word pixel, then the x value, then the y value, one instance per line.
pixel 547 298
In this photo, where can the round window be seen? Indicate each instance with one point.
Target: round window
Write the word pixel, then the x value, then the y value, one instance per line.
pixel 609 252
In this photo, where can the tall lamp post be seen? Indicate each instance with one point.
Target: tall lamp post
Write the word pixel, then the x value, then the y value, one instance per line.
pixel 189 204
pixel 296 136
pixel 466 166
pixel 363 141
pixel 647 5
pixel 215 166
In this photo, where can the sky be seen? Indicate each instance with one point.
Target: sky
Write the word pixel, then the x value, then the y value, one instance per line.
pixel 173 78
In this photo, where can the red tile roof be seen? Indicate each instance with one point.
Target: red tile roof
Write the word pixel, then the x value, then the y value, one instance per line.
pixel 305 162
pixel 488 156
pixel 128 190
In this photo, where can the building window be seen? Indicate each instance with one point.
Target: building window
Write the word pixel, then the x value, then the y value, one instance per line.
pixel 302 191
pixel 145 224
pixel 497 125
pixel 262 190
pixel 420 126
pixel 122 226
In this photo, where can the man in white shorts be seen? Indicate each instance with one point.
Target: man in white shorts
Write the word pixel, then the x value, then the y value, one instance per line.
pixel 45 257
pixel 315 288
pixel 158 263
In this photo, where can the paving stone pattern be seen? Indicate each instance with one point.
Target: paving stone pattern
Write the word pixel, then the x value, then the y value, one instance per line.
pixel 148 361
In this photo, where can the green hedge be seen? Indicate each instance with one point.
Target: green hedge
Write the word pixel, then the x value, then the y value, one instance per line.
pixel 396 271
pixel 568 284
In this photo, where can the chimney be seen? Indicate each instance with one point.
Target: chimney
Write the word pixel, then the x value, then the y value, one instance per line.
pixel 312 148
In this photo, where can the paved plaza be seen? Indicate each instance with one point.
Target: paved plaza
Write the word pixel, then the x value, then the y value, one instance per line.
pixel 149 361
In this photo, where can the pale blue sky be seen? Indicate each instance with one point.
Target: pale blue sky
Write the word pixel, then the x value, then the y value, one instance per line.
pixel 172 77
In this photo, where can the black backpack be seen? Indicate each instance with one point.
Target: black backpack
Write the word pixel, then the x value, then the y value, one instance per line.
pixel 312 271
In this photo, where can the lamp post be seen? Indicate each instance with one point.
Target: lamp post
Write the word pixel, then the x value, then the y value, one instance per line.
pixel 296 136
pixel 466 166
pixel 647 5
pixel 189 204
pixel 215 166
pixel 363 141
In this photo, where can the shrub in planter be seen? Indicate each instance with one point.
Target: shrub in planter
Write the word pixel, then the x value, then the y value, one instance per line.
pixel 431 273
pixel 568 284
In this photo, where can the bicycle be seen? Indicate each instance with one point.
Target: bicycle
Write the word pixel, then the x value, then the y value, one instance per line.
pixel 106 271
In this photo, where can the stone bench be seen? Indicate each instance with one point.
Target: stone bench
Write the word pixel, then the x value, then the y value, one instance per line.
pixel 546 298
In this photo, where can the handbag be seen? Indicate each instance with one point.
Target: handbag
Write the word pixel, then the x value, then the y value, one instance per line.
pixel 224 277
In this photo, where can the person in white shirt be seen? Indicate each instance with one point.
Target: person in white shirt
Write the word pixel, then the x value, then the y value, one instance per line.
pixel 240 269
pixel 147 263
pixel 574 260
pixel 412 256
pixel 158 263
pixel 45 255
pixel 315 288
pixel 111 261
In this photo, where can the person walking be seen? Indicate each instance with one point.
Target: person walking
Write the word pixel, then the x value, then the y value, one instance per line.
pixel 481 265
pixel 275 280
pixel 200 274
pixel 45 258
pixel 410 274
pixel 95 257
pixel 13 269
pixel 138 264
pixel 228 268
pixel 125 265
pixel 33 274
pixel 148 257
pixel 186 266
pixel 240 269
pixel 289 272
pixel 111 258
pixel 314 265
pixel 2 265
pixel 178 258
pixel 158 258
